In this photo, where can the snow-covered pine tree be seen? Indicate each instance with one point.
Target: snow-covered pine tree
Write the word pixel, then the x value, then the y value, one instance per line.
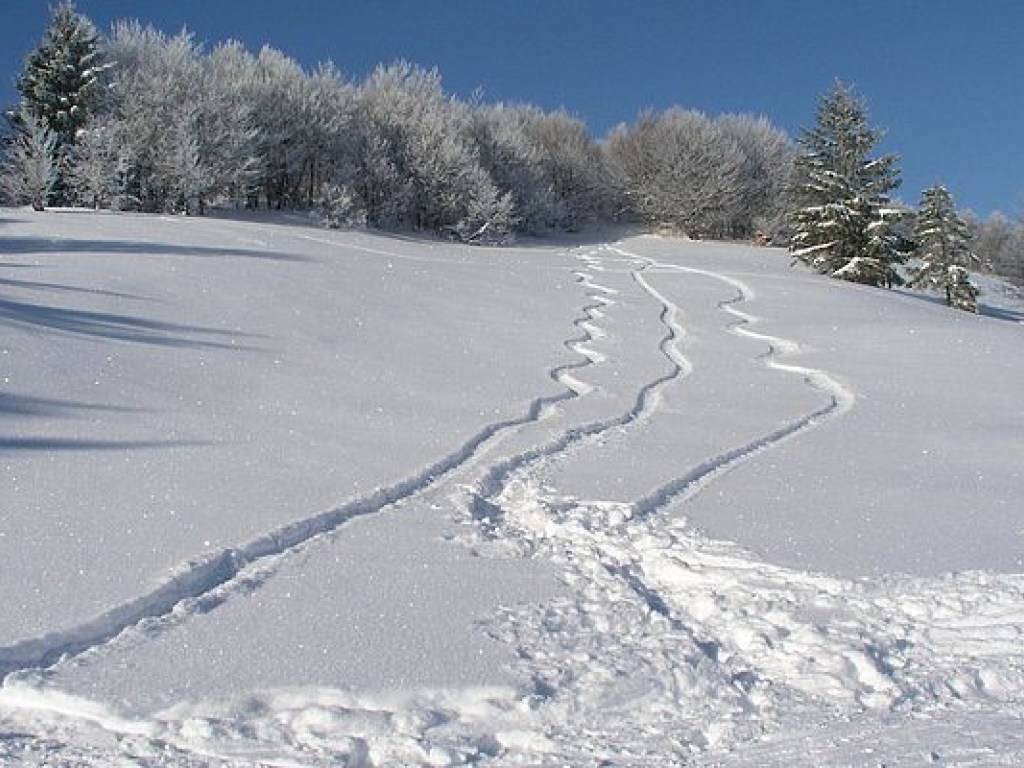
pixel 29 170
pixel 943 249
pixel 844 225
pixel 59 85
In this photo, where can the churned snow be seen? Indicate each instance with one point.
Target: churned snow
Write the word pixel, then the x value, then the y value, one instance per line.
pixel 277 495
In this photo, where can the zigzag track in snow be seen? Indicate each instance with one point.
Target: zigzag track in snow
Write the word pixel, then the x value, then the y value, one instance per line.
pixel 605 557
pixel 199 578
pixel 648 397
pixel 840 399
pixel 577 345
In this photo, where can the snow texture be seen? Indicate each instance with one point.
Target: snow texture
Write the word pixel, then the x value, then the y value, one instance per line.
pixel 280 496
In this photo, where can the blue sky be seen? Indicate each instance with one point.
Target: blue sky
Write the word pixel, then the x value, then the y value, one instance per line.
pixel 943 77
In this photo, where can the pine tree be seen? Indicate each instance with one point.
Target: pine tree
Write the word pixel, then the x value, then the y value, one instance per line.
pixel 29 170
pixel 942 245
pixel 845 226
pixel 59 85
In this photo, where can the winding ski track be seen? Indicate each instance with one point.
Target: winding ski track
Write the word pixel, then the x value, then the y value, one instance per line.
pixel 839 398
pixel 605 548
pixel 199 578
pixel 643 407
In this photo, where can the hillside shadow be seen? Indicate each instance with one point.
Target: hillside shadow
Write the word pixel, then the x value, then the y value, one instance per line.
pixel 34 245
pixel 119 327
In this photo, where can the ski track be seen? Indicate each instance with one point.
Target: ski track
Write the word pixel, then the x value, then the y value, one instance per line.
pixel 671 649
pixel 675 644
pixel 202 577
pixel 840 399
pixel 647 400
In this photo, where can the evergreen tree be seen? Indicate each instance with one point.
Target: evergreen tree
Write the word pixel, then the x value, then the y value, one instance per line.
pixel 942 245
pixel 59 83
pixel 844 225
pixel 29 170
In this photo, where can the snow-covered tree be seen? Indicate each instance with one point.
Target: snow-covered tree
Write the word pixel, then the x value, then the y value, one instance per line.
pixel 999 242
pixel 187 180
pixel 30 165
pixel 572 167
pixel 677 169
pixel 418 166
pixel 226 132
pixel 844 224
pixel 513 162
pixel 943 250
pixel 279 91
pixel 165 120
pixel 59 84
pixel 766 166
pixel 100 168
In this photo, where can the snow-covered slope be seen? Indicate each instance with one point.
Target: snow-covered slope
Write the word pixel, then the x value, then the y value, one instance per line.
pixel 277 495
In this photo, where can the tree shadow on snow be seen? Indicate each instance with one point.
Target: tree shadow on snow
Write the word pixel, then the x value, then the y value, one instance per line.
pixel 1001 313
pixel 50 408
pixel 77 444
pixel 119 327
pixel 985 310
pixel 29 245
pixel 34 285
pixel 45 407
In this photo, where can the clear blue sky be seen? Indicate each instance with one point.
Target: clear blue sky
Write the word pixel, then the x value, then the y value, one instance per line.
pixel 943 77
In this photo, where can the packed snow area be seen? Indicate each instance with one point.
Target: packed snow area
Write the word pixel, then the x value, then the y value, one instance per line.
pixel 277 495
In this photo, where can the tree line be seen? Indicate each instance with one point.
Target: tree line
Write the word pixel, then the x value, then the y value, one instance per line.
pixel 139 120
pixel 142 121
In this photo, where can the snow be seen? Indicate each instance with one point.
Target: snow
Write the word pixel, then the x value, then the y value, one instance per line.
pixel 283 496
